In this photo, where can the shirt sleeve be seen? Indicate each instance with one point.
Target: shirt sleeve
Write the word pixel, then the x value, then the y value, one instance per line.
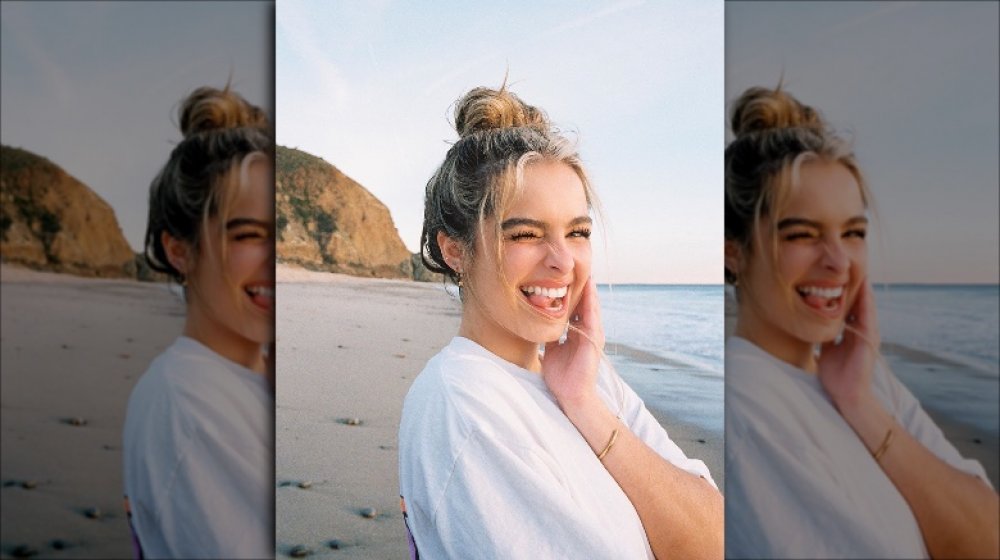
pixel 644 425
pixel 911 415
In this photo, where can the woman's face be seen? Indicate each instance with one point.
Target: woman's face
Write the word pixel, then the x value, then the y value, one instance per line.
pixel 546 261
pixel 803 292
pixel 233 301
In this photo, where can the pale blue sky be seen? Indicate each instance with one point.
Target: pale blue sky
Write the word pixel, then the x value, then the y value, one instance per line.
pixel 95 86
pixel 369 86
pixel 916 84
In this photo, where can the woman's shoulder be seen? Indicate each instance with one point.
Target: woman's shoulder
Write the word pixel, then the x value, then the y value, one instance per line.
pixel 190 383
pixel 464 390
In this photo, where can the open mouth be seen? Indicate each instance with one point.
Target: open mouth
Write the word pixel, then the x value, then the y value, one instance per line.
pixel 551 301
pixel 261 296
pixel 825 299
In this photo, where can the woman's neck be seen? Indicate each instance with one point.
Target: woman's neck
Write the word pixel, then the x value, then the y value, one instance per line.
pixel 774 340
pixel 216 336
pixel 501 342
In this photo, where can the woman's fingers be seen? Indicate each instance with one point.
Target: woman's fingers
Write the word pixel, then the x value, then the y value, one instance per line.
pixel 863 317
pixel 587 315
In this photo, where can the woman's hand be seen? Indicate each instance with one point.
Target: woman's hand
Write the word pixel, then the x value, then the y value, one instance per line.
pixel 845 369
pixel 570 369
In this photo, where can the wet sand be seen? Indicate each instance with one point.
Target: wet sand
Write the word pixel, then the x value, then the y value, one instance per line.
pixel 349 349
pixel 71 348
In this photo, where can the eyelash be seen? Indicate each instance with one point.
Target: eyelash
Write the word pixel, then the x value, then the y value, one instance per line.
pixel 859 233
pixel 582 233
pixel 244 235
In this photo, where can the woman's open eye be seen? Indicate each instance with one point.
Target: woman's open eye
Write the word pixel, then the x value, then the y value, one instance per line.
pixel 859 233
pixel 581 232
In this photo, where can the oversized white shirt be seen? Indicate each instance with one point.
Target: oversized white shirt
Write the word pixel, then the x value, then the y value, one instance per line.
pixel 799 481
pixel 199 459
pixel 490 467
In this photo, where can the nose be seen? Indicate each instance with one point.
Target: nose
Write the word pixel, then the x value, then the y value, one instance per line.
pixel 559 256
pixel 835 255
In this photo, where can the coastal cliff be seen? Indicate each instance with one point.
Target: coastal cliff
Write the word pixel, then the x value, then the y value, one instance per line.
pixel 51 221
pixel 327 221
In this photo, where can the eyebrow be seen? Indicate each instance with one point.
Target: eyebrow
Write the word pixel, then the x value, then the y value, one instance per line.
pixel 790 222
pixel 238 222
pixel 514 222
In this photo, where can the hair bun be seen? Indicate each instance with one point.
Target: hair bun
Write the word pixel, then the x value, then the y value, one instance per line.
pixel 760 109
pixel 209 109
pixel 488 109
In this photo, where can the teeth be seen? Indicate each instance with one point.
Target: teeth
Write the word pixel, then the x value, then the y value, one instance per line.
pixel 547 292
pixel 828 293
pixel 261 290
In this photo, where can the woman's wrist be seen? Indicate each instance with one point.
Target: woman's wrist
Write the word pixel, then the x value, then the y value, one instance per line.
pixel 868 418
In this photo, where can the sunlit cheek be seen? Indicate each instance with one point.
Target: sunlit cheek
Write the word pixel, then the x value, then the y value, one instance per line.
pixel 246 259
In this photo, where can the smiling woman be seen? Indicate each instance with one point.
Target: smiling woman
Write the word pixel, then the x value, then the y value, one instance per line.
pixel 508 452
pixel 828 455
pixel 198 432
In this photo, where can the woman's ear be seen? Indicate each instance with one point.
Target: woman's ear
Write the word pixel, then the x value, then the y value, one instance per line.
pixel 178 252
pixel 452 251
pixel 733 258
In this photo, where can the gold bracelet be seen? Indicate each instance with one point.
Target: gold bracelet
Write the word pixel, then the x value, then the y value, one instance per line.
pixel 614 436
pixel 884 447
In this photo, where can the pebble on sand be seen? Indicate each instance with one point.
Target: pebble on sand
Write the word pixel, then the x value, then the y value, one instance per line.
pixel 305 484
pixel 23 551
pixel 29 484
pixel 350 421
pixel 75 421
pixel 299 551
pixel 334 544
pixel 369 512
pixel 93 512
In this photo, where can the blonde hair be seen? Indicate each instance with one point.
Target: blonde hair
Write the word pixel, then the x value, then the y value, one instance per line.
pixel 223 135
pixel 775 135
pixel 482 173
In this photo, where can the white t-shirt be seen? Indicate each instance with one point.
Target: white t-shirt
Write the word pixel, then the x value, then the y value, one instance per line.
pixel 490 467
pixel 800 483
pixel 199 458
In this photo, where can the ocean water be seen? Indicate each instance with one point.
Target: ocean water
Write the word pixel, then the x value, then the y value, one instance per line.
pixel 948 340
pixel 683 325
pixel 956 323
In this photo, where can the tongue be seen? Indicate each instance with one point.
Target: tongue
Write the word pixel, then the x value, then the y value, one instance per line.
pixel 540 300
pixel 818 302
pixel 262 300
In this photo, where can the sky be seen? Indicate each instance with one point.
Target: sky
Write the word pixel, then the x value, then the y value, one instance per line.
pixel 916 85
pixel 94 87
pixel 370 88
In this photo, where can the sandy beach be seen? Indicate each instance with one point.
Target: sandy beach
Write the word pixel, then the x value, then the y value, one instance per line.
pixel 349 349
pixel 71 348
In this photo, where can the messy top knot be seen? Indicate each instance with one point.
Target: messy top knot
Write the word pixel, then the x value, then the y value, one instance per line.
pixel 775 135
pixel 223 134
pixel 760 109
pixel 481 175
pixel 488 109
pixel 208 109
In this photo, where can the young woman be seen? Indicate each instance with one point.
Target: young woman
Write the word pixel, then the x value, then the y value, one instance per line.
pixel 198 437
pixel 827 453
pixel 506 452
